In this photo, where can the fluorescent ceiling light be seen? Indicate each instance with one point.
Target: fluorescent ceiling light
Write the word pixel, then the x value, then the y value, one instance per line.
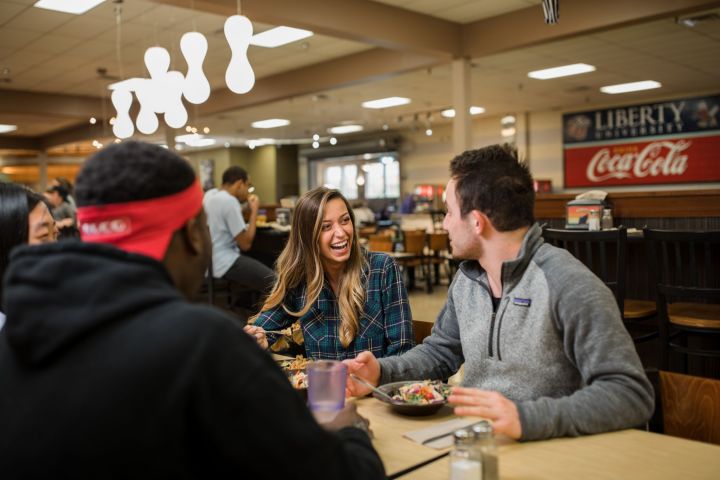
pixel 77 7
pixel 188 138
pixel 202 142
pixel 631 87
pixel 339 130
pixel 7 128
pixel 270 123
pixel 386 102
pixel 564 71
pixel 279 36
pixel 450 112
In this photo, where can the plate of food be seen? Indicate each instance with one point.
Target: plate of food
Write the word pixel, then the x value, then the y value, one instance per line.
pixel 295 371
pixel 415 398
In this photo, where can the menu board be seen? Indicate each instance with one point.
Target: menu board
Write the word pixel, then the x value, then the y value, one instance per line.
pixel 673 141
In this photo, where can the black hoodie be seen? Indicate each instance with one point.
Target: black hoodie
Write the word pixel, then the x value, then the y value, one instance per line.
pixel 107 372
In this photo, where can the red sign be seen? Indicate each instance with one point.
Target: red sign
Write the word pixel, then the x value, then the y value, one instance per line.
pixel 671 141
pixel 659 160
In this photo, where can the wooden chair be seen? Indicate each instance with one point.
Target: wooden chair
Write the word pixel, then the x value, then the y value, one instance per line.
pixel 438 245
pixel 690 407
pixel 414 248
pixel 684 268
pixel 380 243
pixel 366 232
pixel 421 330
pixel 596 250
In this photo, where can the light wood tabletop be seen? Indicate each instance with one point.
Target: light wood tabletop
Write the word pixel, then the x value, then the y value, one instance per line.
pixel 628 454
pixel 397 452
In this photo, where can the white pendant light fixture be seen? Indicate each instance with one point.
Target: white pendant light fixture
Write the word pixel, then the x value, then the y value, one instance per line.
pixel 239 75
pixel 123 125
pixel 176 115
pixel 146 121
pixel 157 62
pixel 196 87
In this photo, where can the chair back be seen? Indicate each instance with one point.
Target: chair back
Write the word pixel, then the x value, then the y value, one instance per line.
pixel 596 250
pixel 421 330
pixel 414 241
pixel 380 243
pixel 684 264
pixel 438 241
pixel 690 406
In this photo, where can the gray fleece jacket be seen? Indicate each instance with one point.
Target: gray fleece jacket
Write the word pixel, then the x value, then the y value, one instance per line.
pixel 556 346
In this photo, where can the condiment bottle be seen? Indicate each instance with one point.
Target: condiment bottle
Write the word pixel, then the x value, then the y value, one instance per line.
pixel 465 459
pixel 594 221
pixel 485 444
pixel 607 219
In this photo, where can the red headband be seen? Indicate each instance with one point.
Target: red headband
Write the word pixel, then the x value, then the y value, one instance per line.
pixel 145 226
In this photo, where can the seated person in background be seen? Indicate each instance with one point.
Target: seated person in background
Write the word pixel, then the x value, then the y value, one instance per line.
pixel 363 214
pixel 63 212
pixel 65 183
pixel 107 369
pixel 231 235
pixel 544 347
pixel 346 299
pixel 24 219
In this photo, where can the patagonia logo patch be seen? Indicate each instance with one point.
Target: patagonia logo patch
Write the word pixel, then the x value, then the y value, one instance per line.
pixel 521 302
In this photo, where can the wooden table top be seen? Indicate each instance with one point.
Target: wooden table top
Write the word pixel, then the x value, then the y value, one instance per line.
pixel 396 451
pixel 617 455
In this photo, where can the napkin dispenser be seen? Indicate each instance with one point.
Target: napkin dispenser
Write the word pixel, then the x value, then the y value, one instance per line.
pixel 578 212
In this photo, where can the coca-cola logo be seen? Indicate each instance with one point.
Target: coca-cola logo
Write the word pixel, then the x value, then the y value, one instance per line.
pixel 664 159
pixel 115 226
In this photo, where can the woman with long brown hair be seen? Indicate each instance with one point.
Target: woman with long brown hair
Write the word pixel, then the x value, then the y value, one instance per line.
pixel 346 299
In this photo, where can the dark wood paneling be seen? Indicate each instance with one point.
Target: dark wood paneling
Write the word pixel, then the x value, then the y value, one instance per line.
pixel 673 204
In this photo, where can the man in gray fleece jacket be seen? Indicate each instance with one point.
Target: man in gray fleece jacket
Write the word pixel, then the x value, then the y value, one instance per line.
pixel 544 347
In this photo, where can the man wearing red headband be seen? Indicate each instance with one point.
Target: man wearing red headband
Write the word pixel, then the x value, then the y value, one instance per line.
pixel 108 371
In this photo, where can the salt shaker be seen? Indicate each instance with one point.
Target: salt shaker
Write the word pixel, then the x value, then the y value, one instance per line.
pixel 594 221
pixel 465 458
pixel 485 444
pixel 607 219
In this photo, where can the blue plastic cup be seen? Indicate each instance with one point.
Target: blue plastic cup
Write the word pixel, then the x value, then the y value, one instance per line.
pixel 326 388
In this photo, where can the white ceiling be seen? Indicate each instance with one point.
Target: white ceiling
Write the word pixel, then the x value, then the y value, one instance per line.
pixel 58 53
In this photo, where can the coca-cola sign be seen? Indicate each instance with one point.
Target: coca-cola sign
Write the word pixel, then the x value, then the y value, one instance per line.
pixel 667 142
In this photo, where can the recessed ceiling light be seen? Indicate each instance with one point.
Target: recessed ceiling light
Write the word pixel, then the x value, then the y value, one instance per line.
pixel 7 128
pixel 563 71
pixel 386 102
pixel 77 7
pixel 630 87
pixel 270 123
pixel 279 36
pixel 339 130
pixel 450 112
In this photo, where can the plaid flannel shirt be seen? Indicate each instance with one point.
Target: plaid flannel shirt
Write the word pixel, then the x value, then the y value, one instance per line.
pixel 385 323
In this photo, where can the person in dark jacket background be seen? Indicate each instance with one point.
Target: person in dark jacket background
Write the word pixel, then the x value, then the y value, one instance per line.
pixel 109 372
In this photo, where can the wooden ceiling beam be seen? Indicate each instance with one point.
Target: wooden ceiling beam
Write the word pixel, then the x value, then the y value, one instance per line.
pixel 362 21
pixel 49 104
pixel 352 69
pixel 526 27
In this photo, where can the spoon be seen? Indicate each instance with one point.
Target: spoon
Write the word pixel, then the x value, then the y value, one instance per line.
pixel 376 390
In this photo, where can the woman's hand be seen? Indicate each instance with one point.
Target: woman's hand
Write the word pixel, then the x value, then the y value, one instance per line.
pixel 258 333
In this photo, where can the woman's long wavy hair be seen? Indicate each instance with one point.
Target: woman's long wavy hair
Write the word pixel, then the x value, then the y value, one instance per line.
pixel 300 263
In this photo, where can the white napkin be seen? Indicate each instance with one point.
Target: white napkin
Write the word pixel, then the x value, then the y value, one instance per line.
pixel 444 428
pixel 592 195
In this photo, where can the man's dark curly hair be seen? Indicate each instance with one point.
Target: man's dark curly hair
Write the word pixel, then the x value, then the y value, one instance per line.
pixel 493 181
pixel 131 171
pixel 233 174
